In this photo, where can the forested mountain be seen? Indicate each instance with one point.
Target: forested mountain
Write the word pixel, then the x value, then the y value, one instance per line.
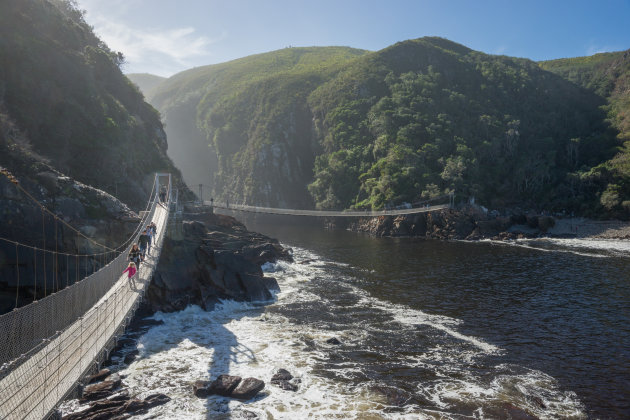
pixel 61 87
pixel 607 75
pixel 259 99
pixel 342 128
pixel 146 82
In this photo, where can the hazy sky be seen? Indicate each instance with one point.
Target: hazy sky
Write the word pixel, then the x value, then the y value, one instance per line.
pixel 167 36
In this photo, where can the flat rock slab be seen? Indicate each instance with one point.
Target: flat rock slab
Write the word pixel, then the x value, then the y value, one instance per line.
pixel 99 376
pixel 248 388
pixel 102 389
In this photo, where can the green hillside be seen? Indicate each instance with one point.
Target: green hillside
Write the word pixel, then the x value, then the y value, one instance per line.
pixel 342 128
pixel 272 83
pixel 62 88
pixel 146 82
pixel 608 76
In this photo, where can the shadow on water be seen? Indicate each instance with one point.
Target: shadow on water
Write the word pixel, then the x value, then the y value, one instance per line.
pixel 187 328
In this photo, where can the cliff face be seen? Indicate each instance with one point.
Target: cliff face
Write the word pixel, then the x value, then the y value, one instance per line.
pixel 63 90
pixel 95 213
pixel 211 260
pixel 76 134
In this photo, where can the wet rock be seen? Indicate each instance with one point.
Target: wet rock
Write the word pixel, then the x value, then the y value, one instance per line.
pixel 248 388
pixel 224 385
pixel 334 341
pixel 119 408
pixel 130 357
pixel 99 376
pixel 102 389
pixel 244 414
pixel 219 260
pixel 281 375
pixel 286 385
pixel 154 400
pixel 200 388
pixel 282 378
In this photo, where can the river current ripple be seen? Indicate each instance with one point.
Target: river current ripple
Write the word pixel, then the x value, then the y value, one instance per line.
pixel 429 329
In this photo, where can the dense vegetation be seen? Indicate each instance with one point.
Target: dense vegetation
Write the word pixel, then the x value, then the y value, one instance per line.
pixel 607 75
pixel 235 124
pixel 342 128
pixel 63 89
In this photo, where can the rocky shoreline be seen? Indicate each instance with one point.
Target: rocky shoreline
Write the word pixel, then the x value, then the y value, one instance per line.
pixel 207 258
pixel 473 223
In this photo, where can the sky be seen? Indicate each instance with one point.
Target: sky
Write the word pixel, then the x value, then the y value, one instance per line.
pixel 164 37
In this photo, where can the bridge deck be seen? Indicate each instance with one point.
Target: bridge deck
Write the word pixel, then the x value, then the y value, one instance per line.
pixel 36 386
pixel 324 213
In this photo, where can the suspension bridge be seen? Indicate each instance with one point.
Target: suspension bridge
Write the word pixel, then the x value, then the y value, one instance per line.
pixel 50 344
pixel 424 207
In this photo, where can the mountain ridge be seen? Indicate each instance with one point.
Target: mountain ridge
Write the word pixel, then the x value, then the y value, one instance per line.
pixel 268 134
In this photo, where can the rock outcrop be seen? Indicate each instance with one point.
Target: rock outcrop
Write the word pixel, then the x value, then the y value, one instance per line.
pixel 469 222
pixel 220 259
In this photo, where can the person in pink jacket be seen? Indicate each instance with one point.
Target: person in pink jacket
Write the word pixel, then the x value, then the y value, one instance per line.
pixel 130 270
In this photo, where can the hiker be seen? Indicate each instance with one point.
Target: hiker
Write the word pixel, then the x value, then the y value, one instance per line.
pixel 144 241
pixel 135 255
pixel 163 194
pixel 153 230
pixel 149 231
pixel 130 270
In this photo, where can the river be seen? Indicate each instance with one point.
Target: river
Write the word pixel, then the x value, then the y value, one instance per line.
pixel 428 329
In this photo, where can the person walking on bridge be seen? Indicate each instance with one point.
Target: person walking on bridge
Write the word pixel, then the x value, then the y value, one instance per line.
pixel 163 194
pixel 130 270
pixel 135 255
pixel 144 240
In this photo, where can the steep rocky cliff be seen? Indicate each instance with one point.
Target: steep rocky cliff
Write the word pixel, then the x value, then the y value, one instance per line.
pixel 63 89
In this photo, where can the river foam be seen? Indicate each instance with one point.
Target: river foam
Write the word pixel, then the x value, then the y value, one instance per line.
pixel 255 340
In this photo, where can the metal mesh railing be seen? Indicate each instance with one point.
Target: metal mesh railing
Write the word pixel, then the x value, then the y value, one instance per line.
pixel 50 344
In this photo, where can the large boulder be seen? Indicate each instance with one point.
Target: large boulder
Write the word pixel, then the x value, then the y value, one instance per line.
pixel 224 385
pixel 216 259
pixel 248 388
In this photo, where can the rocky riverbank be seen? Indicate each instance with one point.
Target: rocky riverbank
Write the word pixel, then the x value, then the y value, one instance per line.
pixel 472 223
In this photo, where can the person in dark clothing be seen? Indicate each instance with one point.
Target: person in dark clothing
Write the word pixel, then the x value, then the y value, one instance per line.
pixel 163 194
pixel 135 255
pixel 144 241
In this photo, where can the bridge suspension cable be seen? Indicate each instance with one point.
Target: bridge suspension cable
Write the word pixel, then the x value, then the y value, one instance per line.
pixel 51 343
pixel 91 260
